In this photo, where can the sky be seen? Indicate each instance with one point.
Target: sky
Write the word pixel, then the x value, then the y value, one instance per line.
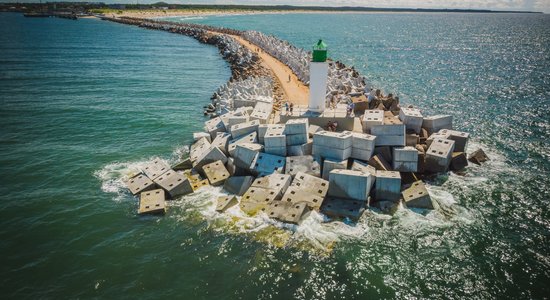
pixel 523 5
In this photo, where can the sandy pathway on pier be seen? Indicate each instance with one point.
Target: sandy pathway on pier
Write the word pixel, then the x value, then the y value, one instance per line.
pixel 295 91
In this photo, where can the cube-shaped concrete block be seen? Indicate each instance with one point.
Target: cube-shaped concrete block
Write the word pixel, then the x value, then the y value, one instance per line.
pixel 417 196
pixel 210 155
pixel 255 199
pixel 216 173
pixel 296 139
pixel 411 139
pixel 198 135
pixel 405 154
pixel 362 167
pixel 300 150
pixel 332 140
pixel 437 135
pixel 388 130
pixel 379 163
pixel 198 148
pixel 439 154
pixel 245 154
pixel 363 141
pixel 305 164
pixel 332 164
pixel 276 182
pixel 361 154
pixel 174 183
pixel 262 112
pixel 139 183
pixel 458 161
pixel 213 126
pixel 234 120
pixel 333 153
pixel 152 202
pixel 183 165
pixel 299 195
pixel 155 168
pixel 249 138
pixel 343 208
pixel 286 212
pixel 387 185
pixel 312 129
pixel 391 140
pixel 266 164
pixel 199 184
pixel 243 129
pixel 412 118
pixel 280 151
pixel 226 202
pixel 311 183
pixel 297 126
pixel 238 185
pixel 222 141
pixel 371 118
pixel 262 130
pixel 350 184
pixel 435 123
pixel 275 137
pixel 460 138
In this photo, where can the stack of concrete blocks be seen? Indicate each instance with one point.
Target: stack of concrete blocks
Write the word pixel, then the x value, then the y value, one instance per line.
pixel 233 118
pixel 174 183
pixel 198 148
pixel 245 155
pixel 262 129
pixel 276 182
pixel 242 129
pixel 387 186
pixel 216 173
pixel 350 184
pixel 198 135
pixel 372 117
pixel 305 164
pixel 222 141
pixel 226 202
pixel 389 134
pixel 417 196
pixel 330 164
pixel 412 118
pixel 405 159
pixel 139 184
pixel 435 123
pixel 437 135
pixel 209 155
pixel 262 112
pixel 266 164
pixel 439 155
pixel 335 145
pixel 155 168
pixel 275 140
pixel 250 138
pixel 285 211
pixel 362 145
pixel 152 202
pixel 306 188
pixel 238 185
pixel 364 168
pixel 296 131
pixel 460 138
pixel 214 126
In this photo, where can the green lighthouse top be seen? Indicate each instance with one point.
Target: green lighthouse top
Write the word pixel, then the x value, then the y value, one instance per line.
pixel 320 51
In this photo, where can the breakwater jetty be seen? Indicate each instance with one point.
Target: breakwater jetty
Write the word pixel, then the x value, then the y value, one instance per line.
pixel 340 149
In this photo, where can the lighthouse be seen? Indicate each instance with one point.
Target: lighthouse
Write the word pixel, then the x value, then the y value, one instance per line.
pixel 318 74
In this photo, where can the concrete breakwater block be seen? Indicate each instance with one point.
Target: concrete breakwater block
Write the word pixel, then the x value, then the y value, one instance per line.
pixel 300 150
pixel 226 202
pixel 214 126
pixel 198 148
pixel 232 120
pixel 307 182
pixel 274 137
pixel 266 164
pixel 362 167
pixel 343 208
pixel 242 129
pixel 280 151
pixel 478 157
pixel 296 139
pixel 387 185
pixel 417 196
pixel 389 134
pixel 312 129
pixel 333 140
pixel 152 202
pixel 298 195
pixel 262 130
pixel 362 145
pixel 211 154
pixel 412 118
pixel 439 154
pixel 155 168
pixel 332 164
pixel 372 118
pixel 405 159
pixel 379 163
pixel 199 184
pixel 139 183
pixel 174 183
pixel 460 138
pixel 262 111
pixel 198 135
pixel 222 141
pixel 305 164
pixel 458 161
pixel 435 123
pixel 286 212
pixel 333 153
pixel 250 138
pixel 256 198
pixel 350 184
pixel 276 182
pixel 216 173
pixel 297 126
pixel 238 185
pixel 245 155
pixel 183 165
pixel 412 139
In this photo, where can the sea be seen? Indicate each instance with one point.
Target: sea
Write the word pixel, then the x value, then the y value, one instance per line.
pixel 84 104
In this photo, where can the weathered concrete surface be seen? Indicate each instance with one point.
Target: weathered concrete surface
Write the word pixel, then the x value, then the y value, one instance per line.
pixel 332 164
pixel 174 183
pixel 238 185
pixel 478 157
pixel 343 208
pixel 417 196
pixel 438 156
pixel 286 211
pixel 266 164
pixel 305 164
pixel 387 185
pixel 350 184
pixel 226 202
pixel 139 183
pixel 155 168
pixel 275 182
pixel 152 202
pixel 216 173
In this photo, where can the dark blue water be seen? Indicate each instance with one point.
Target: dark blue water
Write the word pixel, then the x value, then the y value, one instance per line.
pixel 85 103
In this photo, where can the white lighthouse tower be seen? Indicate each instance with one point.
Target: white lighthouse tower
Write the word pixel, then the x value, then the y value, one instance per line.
pixel 318 74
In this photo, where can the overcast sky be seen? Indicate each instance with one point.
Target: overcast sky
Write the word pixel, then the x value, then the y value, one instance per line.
pixel 527 5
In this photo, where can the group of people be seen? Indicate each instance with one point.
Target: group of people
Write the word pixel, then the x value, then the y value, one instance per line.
pixel 289 108
pixel 376 99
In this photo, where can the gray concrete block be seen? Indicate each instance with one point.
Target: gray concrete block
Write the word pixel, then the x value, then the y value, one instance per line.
pixel 350 184
pixel 436 135
pixel 234 120
pixel 276 182
pixel 198 148
pixel 266 164
pixel 275 137
pixel 435 123
pixel 214 126
pixel 297 126
pixel 305 164
pixel 412 118
pixel 183 165
pixel 245 155
pixel 439 155
pixel 388 130
pixel 139 183
pixel 243 129
pixel 333 153
pixel 364 155
pixel 286 212
pixel 371 118
pixel 299 150
pixel 174 183
pixel 216 173
pixel 379 163
pixel 249 139
pixel 256 198
pixel 333 164
pixel 391 140
pixel 210 155
pixel 312 129
pixel 262 129
pixel 152 202
pixel 155 168
pixel 262 112
pixel 313 184
pixel 238 185
pixel 460 138
pixel 198 135
pixel 362 167
pixel 226 202
pixel 333 140
pixel 343 208
pixel 222 141
pixel 296 139
pixel 363 141
pixel 280 151
pixel 298 195
pixel 417 196
pixel 458 161
pixel 405 154
pixel 387 185
pixel 412 139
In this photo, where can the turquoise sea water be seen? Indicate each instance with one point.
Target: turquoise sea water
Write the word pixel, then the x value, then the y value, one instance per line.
pixel 83 103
